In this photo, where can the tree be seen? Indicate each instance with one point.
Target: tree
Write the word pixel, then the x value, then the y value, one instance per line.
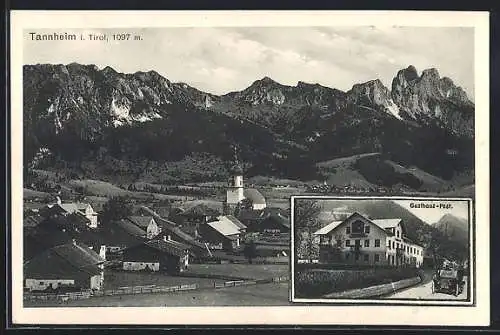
pixel 305 224
pixel 250 251
pixel 246 204
pixel 115 209
pixel 243 205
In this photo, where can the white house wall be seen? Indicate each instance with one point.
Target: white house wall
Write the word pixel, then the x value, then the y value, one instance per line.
pixel 152 230
pixel 43 284
pixel 259 206
pixel 138 266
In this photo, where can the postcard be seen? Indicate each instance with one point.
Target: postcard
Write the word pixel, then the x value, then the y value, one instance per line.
pixel 383 250
pixel 162 160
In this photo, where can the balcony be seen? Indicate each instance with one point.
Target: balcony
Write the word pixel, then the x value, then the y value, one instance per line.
pixel 357 234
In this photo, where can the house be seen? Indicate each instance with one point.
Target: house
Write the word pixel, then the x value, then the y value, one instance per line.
pixel 119 235
pixel 221 234
pixel 163 255
pixel 236 192
pixel 197 214
pixel 271 223
pixel 68 266
pixel 232 220
pixel 81 209
pixel 360 240
pixel 146 223
pixel 177 234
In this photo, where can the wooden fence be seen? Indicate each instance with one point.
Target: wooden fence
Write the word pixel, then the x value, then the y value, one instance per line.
pixel 61 297
pixel 119 291
pixel 145 289
pixel 234 283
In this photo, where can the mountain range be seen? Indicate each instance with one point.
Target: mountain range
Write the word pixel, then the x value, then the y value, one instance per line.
pixel 99 123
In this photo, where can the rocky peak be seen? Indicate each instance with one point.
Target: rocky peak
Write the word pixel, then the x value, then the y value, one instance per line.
pixel 428 97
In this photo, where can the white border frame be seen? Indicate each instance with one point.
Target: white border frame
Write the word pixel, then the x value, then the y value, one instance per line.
pixel 426 302
pixel 285 315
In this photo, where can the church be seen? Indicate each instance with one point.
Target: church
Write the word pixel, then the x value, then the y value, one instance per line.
pixel 236 192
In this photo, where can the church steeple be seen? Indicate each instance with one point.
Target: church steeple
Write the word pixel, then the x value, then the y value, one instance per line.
pixel 235 189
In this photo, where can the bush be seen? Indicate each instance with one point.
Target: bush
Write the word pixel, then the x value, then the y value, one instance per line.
pixel 318 282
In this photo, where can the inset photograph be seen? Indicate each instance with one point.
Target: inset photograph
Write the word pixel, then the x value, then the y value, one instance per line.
pixel 382 250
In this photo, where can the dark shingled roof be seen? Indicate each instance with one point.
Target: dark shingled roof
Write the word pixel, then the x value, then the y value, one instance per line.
pixel 170 227
pixel 130 227
pixel 66 261
pixel 168 246
pixel 141 221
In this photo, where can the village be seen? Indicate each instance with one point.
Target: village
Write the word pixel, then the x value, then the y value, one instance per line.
pixel 77 250
pixel 352 254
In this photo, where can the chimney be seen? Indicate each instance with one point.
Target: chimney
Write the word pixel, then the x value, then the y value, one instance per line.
pixel 74 242
pixel 59 200
pixel 164 238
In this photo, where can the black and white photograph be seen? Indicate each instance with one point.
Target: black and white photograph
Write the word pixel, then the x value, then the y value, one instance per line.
pixel 161 162
pixel 383 249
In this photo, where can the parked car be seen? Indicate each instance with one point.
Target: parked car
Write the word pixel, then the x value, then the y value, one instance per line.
pixel 449 281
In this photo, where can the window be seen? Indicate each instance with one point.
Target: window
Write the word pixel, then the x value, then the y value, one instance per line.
pixel 357 257
pixel 393 245
pixel 367 229
pixel 397 233
pixel 347 243
pixel 366 257
pixel 367 243
pixel 389 245
pixel 348 230
pixel 357 227
pixel 377 243
pixel 41 283
pixel 377 258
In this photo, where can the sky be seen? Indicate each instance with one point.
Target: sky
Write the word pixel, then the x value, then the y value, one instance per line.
pixel 429 211
pixel 222 59
pixel 459 209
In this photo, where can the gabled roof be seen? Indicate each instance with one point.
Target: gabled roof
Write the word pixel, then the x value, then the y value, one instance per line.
pixel 226 227
pixel 380 223
pixel 233 220
pixel 254 195
pixel 168 246
pixel 282 220
pixel 72 207
pixel 64 261
pixel 386 223
pixel 141 221
pixel 328 228
pixel 169 226
pixel 79 254
pixel 129 227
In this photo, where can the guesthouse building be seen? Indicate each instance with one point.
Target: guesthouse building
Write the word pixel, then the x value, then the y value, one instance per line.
pixel 364 241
